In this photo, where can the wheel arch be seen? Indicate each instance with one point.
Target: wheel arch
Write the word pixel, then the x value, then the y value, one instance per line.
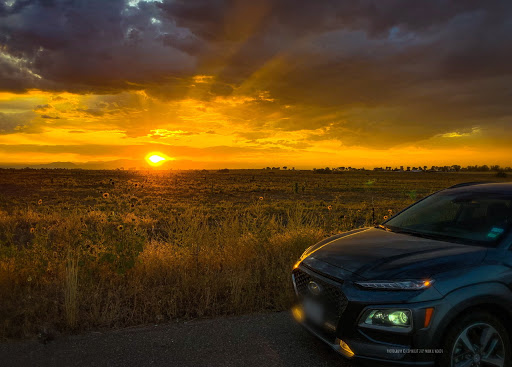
pixel 493 298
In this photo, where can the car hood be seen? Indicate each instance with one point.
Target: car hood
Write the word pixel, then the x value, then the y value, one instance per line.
pixel 378 254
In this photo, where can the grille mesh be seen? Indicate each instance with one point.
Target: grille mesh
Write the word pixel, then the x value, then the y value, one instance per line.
pixel 335 300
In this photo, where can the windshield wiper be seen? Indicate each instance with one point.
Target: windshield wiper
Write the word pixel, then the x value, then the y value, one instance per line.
pixel 390 229
pixel 384 227
pixel 432 236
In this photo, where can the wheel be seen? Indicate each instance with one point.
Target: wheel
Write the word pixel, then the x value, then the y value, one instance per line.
pixel 477 340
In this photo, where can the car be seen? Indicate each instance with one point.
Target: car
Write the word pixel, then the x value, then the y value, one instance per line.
pixel 432 285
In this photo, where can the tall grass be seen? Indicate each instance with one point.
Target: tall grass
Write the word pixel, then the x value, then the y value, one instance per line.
pixel 71 291
pixel 135 249
pixel 77 270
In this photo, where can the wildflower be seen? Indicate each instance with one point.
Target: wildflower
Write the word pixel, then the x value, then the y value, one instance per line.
pixel 29 279
pixel 40 201
pixel 120 227
pixel 261 198
pixel 106 195
pixel 385 217
pixel 32 230
pixel 390 211
pixel 329 207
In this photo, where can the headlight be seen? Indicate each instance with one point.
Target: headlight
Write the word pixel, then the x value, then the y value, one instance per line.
pixel 387 317
pixel 411 285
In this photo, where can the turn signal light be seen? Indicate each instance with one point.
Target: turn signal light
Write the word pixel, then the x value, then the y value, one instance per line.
pixel 297 313
pixel 345 349
pixel 428 316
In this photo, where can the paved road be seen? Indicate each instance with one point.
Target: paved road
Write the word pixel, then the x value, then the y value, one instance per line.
pixel 270 339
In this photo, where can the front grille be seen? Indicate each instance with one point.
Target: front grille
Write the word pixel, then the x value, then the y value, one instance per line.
pixel 331 295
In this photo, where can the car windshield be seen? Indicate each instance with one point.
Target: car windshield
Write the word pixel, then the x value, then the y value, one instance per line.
pixel 468 218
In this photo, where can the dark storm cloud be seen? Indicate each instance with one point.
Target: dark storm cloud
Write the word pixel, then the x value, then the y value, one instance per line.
pixel 74 44
pixel 89 45
pixel 375 73
pixel 364 72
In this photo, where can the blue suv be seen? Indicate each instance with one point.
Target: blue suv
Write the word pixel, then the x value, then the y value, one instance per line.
pixel 430 286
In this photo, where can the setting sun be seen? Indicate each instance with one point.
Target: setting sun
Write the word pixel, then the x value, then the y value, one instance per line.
pixel 157 159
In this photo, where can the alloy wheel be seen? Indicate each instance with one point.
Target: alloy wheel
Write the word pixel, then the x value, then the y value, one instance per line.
pixel 478 345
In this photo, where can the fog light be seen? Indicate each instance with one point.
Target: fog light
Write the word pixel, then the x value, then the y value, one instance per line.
pixel 297 313
pixel 345 349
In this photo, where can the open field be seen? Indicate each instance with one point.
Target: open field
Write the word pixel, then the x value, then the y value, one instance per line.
pixel 86 250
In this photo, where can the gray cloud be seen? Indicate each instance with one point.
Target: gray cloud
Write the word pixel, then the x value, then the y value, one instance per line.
pixel 93 46
pixel 368 73
pixel 12 122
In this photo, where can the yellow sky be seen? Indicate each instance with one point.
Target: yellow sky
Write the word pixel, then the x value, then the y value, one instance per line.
pixel 251 84
pixel 224 131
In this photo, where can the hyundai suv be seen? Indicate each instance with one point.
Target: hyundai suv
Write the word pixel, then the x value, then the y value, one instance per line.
pixel 431 285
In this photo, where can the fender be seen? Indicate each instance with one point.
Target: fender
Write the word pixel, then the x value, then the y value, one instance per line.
pixel 462 299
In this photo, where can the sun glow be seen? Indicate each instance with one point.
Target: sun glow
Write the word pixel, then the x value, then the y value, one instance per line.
pixel 157 159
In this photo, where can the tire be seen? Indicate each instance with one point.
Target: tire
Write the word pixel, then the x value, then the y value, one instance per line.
pixel 477 339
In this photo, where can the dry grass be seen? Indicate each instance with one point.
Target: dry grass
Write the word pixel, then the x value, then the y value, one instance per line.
pixel 75 278
pixel 71 291
pixel 160 248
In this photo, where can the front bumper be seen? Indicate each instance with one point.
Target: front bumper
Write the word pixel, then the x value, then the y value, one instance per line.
pixel 371 353
pixel 414 347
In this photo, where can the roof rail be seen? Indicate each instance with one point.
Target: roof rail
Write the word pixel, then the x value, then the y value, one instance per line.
pixel 463 184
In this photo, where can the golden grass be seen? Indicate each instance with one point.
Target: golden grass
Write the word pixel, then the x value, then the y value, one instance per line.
pixel 75 277
pixel 160 248
pixel 71 290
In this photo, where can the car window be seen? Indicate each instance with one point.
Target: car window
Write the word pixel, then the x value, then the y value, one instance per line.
pixel 477 218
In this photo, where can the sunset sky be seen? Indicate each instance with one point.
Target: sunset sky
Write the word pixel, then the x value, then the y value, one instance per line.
pixel 249 84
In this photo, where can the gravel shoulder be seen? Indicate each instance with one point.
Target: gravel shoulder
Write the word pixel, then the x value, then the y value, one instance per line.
pixel 266 339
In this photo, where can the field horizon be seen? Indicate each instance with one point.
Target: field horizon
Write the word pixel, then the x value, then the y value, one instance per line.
pixel 87 250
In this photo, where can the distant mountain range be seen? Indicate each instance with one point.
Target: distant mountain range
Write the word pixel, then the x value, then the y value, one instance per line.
pixel 132 164
pixel 120 163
